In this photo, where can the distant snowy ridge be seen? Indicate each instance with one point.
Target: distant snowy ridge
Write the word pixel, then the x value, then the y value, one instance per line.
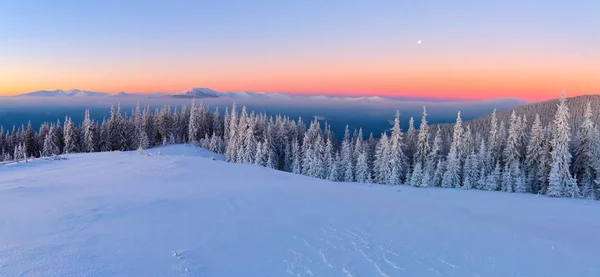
pixel 64 93
pixel 201 93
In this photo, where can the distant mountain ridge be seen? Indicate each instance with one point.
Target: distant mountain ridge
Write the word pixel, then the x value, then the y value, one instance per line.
pixel 201 93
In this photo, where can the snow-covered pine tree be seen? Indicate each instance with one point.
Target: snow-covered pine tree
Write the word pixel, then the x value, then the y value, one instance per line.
pixel 231 147
pixel 521 185
pixel 511 152
pixel 432 160
pixel 534 157
pixel 250 143
pixel 260 156
pixel 381 166
pixel 452 176
pixel 217 124
pixel 560 180
pixel 471 171
pixel 70 136
pixel 334 173
pixel 363 172
pixel 411 142
pixel 194 123
pixel 296 157
pixel 358 147
pixel 493 178
pixel 271 159
pixel 346 155
pixel 328 158
pixel 89 136
pixel 493 140
pixel 422 149
pixel 29 143
pixel 50 148
pixel 416 178
pixel 398 160
pixel 586 165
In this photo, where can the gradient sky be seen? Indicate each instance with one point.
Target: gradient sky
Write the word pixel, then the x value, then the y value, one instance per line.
pixel 470 49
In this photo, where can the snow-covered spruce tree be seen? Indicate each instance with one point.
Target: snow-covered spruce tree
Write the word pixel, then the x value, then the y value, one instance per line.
pixel 506 181
pixel 346 155
pixel 194 124
pixel 271 159
pixel 493 178
pixel 493 139
pixel 411 142
pixel 535 156
pixel 432 160
pixel 29 142
pixel 334 173
pixel 89 135
pixel 358 146
pixel 296 157
pixel 328 158
pixel 217 124
pixel 50 148
pixel 452 176
pixel 381 166
pixel 70 136
pixel 59 138
pixel 467 145
pixel 242 128
pixel 416 178
pixel 471 171
pixel 363 172
pixel 422 149
pixel 586 164
pixel 560 180
pixel 260 157
pixel 398 160
pixel 250 143
pixel 148 126
pixel 511 147
pixel 231 147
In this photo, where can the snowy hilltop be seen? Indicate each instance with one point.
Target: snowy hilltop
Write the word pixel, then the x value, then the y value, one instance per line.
pixel 180 210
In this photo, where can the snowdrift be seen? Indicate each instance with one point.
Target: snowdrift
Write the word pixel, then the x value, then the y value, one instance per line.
pixel 174 211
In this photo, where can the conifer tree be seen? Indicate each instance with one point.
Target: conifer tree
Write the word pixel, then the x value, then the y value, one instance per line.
pixel 452 176
pixel 346 156
pixel 560 180
pixel 382 168
pixel 398 160
pixel 586 159
pixel 422 149
pixel 534 157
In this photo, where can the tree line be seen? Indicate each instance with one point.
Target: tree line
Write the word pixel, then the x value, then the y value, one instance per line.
pixel 514 157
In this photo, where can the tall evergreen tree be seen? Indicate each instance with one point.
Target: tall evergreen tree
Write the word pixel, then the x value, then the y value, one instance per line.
pixel 452 176
pixel 422 148
pixel 586 165
pixel 535 156
pixel 560 180
pixel 398 160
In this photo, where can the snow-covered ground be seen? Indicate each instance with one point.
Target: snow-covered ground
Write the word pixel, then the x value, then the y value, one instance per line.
pixel 181 213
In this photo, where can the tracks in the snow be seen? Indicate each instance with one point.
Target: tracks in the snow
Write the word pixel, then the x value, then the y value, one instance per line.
pixel 336 252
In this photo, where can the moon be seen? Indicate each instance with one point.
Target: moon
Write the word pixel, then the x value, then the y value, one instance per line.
pixel 418 41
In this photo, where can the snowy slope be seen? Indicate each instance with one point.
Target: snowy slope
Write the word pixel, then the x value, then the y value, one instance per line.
pixel 176 212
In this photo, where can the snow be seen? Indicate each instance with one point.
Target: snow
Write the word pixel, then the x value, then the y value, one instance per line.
pixel 174 211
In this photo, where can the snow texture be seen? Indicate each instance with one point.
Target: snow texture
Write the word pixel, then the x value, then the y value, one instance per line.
pixel 179 210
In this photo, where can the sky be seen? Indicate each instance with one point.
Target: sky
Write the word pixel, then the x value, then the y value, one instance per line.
pixel 469 49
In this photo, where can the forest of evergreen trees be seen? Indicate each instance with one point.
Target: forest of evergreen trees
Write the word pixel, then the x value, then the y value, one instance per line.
pixel 540 158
